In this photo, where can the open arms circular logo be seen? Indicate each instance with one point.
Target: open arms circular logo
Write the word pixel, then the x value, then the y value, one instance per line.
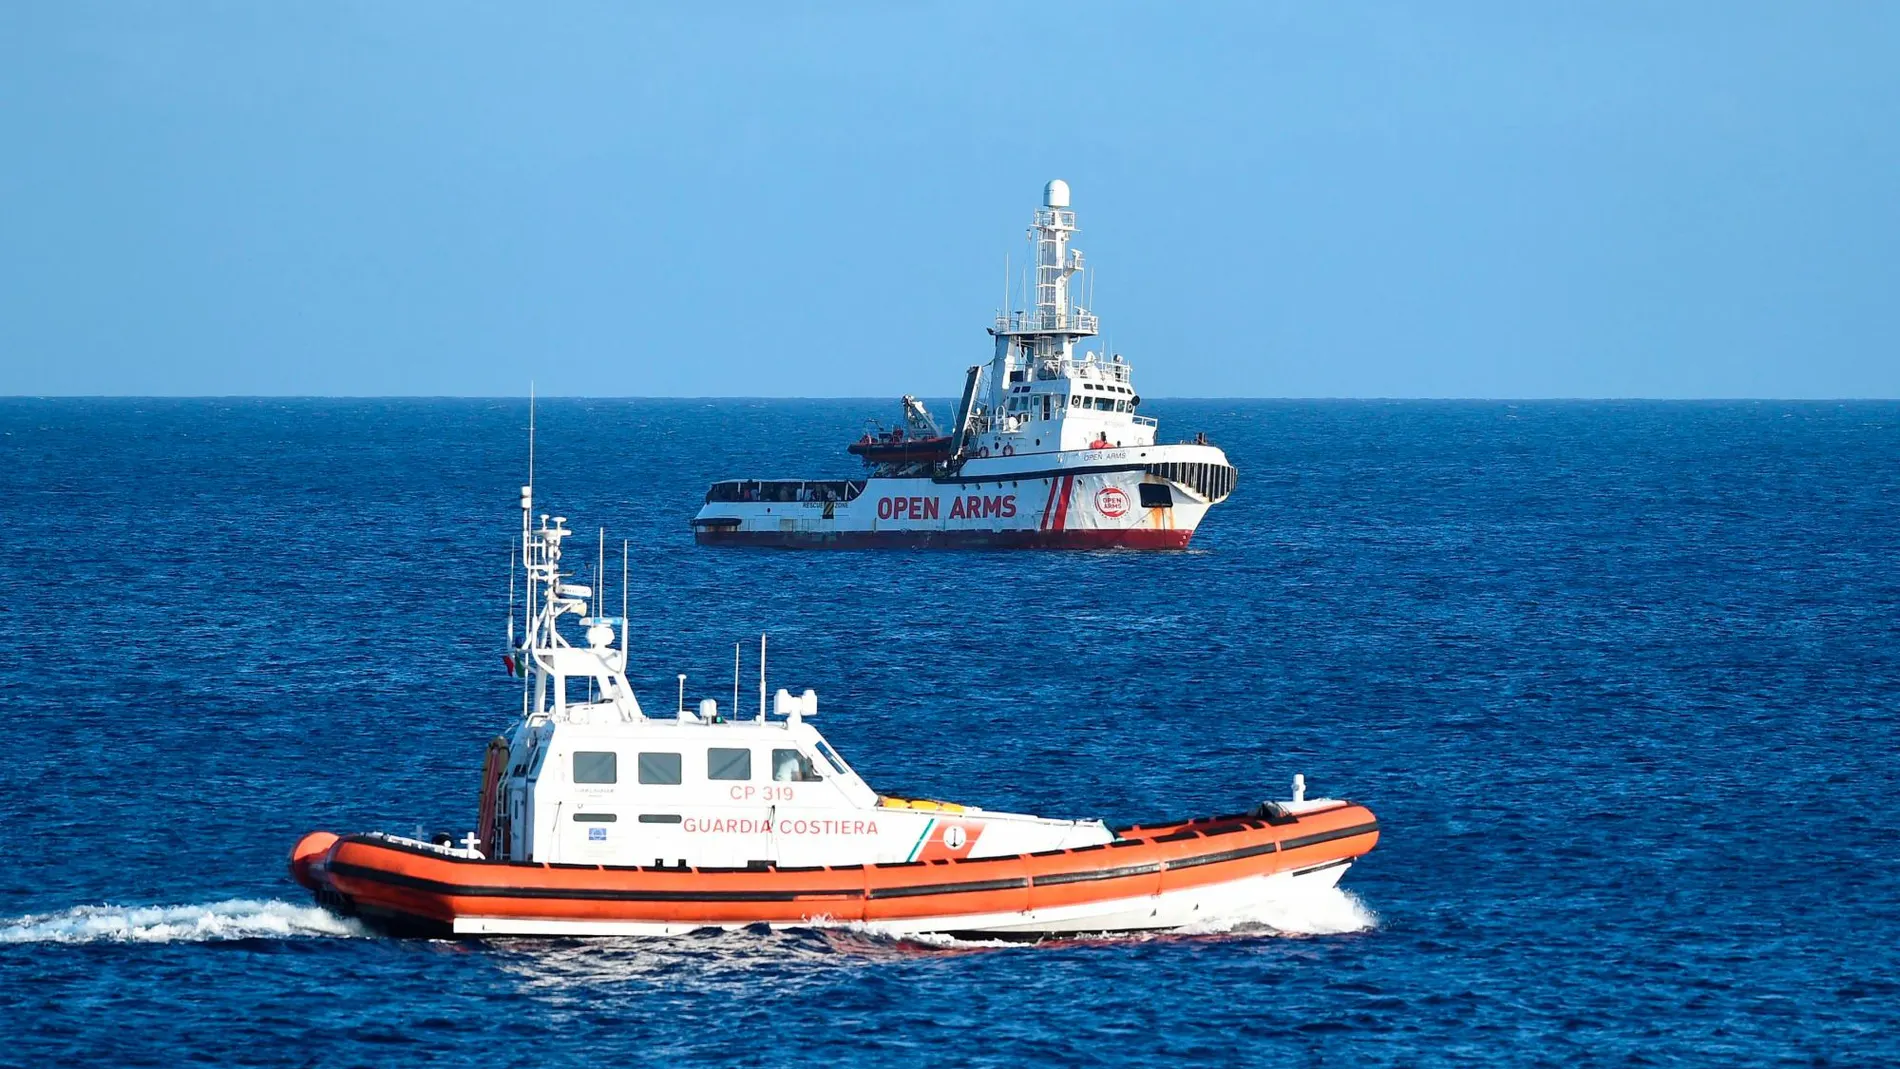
pixel 1111 501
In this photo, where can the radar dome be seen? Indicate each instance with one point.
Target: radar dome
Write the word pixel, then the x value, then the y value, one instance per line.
pixel 1056 194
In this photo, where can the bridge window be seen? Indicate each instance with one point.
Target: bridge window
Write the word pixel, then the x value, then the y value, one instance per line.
pixel 660 768
pixel 728 763
pixel 792 766
pixel 831 757
pixel 595 766
pixel 595 818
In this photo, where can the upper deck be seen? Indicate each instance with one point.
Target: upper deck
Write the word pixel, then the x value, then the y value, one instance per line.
pixel 1074 322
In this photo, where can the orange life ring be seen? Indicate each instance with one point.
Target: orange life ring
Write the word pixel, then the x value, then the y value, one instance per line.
pixel 983 452
pixel 1009 450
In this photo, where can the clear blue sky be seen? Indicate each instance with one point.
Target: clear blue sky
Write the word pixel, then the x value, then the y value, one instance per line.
pixel 1286 199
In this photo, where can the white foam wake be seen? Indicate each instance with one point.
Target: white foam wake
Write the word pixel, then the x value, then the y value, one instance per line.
pixel 237 918
pixel 1294 910
pixel 1287 908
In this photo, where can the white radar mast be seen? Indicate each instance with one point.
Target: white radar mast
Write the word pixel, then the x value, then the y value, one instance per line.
pixel 1043 338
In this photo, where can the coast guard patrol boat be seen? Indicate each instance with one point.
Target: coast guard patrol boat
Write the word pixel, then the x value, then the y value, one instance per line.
pixel 601 816
pixel 1047 449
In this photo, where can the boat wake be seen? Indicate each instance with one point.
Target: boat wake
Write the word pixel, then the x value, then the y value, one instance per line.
pixel 1294 911
pixel 237 918
pixel 1291 911
pixel 730 961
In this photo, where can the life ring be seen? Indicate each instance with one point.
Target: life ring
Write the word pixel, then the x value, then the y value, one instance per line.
pixel 1009 450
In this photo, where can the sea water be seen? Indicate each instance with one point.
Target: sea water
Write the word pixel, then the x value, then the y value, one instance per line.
pixel 1621 681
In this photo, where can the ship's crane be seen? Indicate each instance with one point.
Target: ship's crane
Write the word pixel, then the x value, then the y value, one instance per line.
pixel 918 419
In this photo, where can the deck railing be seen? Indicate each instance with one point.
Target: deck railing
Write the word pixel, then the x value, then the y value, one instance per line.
pixel 1076 322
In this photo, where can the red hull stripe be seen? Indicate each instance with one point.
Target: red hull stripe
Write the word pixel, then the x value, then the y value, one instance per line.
pixel 1048 507
pixel 1136 538
pixel 1062 503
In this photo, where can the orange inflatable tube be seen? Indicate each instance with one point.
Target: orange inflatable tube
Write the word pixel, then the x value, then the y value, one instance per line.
pixel 409 887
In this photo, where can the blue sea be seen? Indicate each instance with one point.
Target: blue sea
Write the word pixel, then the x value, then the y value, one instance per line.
pixel 1621 681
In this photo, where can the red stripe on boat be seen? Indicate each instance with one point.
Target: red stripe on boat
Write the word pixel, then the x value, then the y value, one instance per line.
pixel 1062 503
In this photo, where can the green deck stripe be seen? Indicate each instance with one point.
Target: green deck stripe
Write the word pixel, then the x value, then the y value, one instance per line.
pixel 919 845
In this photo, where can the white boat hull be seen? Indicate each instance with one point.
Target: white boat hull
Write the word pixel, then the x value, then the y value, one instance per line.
pixel 1149 498
pixel 1160 912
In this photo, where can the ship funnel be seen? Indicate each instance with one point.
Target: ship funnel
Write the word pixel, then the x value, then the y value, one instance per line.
pixel 1055 194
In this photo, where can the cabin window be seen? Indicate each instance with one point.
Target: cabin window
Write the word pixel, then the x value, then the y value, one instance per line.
pixel 595 766
pixel 792 766
pixel 659 818
pixel 724 763
pixel 595 818
pixel 831 758
pixel 660 768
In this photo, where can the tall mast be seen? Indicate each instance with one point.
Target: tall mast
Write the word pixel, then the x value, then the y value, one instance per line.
pixel 1055 261
pixel 1048 332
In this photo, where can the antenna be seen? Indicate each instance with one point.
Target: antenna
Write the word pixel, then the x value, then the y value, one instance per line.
pixel 624 648
pixel 527 562
pixel 511 597
pixel 682 706
pixel 1004 311
pixel 761 678
pixel 600 567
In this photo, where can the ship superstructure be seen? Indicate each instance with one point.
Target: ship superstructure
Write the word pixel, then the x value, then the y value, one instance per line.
pixel 1047 448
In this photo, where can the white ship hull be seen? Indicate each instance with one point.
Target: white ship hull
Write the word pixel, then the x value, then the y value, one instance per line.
pixel 1150 497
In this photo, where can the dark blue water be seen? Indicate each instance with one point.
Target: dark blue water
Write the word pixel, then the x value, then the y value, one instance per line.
pixel 1621 680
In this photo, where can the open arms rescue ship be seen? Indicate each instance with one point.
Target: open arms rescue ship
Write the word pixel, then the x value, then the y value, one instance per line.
pixel 1047 449
pixel 601 817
